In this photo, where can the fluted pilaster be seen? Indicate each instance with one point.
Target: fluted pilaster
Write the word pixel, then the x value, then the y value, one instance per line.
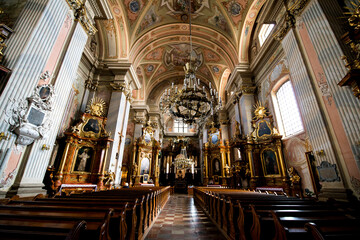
pixel 309 107
pixel 329 53
pixel 26 55
pixel 38 159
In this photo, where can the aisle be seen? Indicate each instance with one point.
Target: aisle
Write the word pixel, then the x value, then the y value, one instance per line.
pixel 182 219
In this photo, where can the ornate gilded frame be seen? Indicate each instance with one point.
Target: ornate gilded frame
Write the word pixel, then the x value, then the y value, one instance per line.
pixel 263 163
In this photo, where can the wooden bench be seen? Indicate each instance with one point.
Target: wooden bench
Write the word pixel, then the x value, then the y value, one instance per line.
pixel 250 215
pixel 40 225
pixel 122 210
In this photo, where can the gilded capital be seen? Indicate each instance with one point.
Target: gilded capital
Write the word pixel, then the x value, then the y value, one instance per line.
pixel 89 84
pixel 124 88
pixel 80 15
pixel 289 20
pixel 248 89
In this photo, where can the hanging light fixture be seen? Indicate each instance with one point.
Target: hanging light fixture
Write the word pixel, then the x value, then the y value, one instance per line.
pixel 182 161
pixel 190 104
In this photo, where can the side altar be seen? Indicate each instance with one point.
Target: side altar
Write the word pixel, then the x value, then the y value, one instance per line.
pixel 83 161
pixel 262 163
pixel 216 158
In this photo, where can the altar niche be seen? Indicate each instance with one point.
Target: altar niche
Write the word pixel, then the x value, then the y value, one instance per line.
pixel 84 157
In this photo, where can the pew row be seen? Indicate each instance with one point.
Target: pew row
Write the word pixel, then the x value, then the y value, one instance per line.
pixel 253 215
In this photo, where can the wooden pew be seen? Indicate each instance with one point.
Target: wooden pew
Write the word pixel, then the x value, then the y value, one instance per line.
pixel 40 225
pixel 123 222
pixel 279 216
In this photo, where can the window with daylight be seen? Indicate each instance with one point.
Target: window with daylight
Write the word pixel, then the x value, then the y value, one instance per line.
pixel 287 110
pixel 180 127
pixel 265 32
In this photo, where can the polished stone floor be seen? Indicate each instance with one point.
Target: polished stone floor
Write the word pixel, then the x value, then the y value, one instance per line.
pixel 182 219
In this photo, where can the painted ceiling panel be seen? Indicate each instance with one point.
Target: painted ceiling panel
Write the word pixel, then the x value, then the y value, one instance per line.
pixel 154 35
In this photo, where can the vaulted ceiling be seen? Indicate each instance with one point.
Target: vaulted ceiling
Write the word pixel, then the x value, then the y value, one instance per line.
pixel 154 36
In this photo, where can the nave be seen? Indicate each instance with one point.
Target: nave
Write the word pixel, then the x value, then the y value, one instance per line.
pixel 181 218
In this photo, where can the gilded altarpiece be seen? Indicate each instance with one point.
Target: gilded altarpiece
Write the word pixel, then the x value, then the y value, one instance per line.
pixel 145 165
pixel 83 161
pixel 216 158
pixel 262 152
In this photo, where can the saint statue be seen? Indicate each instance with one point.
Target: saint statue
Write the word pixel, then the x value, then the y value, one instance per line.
pixel 84 157
pixel 135 168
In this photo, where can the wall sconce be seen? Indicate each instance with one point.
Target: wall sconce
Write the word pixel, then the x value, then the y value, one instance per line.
pixel 3 136
pixel 320 153
pixel 45 147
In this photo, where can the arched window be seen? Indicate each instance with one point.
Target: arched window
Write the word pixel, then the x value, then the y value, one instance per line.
pixel 265 32
pixel 180 127
pixel 287 110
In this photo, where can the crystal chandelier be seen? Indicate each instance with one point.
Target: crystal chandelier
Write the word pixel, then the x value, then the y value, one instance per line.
pixel 182 161
pixel 190 104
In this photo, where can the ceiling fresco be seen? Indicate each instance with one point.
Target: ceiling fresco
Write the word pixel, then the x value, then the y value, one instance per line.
pixel 154 36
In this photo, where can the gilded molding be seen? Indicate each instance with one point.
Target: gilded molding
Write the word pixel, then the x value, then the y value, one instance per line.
pixel 224 122
pixel 290 19
pixel 80 15
pixel 247 89
pixel 139 120
pixel 289 22
pixel 124 88
pixel 89 84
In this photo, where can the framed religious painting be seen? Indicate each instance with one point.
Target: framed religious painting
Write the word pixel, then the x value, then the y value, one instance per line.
pixel 145 166
pixel 145 178
pixel 216 167
pixel 83 160
pixel 270 162
pixel 263 129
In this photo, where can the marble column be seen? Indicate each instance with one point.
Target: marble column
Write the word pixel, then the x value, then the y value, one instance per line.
pixel 140 119
pixel 310 108
pixel 155 123
pixel 38 159
pixel 245 97
pixel 224 125
pixel 118 115
pixel 28 51
pixel 317 19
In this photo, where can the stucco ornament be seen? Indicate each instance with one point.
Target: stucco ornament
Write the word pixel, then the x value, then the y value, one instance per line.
pixel 30 119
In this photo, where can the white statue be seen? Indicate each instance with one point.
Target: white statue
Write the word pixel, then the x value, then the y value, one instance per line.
pixel 84 157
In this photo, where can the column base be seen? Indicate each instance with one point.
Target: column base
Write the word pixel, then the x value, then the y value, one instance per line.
pixel 26 190
pixel 339 194
pixel 206 181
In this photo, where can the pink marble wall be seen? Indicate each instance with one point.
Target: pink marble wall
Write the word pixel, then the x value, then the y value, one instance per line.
pixel 329 103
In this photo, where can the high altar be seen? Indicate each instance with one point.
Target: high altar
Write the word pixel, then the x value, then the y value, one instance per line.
pixel 145 165
pixel 216 158
pixel 83 161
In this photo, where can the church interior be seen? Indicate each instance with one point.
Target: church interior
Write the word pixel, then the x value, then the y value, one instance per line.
pixel 180 119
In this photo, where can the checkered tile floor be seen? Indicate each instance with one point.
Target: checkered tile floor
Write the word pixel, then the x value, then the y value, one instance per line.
pixel 182 219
